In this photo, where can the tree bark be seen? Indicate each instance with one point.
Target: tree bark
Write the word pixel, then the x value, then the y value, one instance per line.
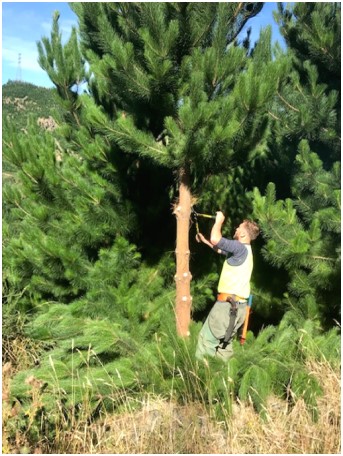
pixel 183 277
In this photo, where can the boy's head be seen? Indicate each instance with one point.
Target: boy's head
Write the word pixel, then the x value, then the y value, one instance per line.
pixel 247 231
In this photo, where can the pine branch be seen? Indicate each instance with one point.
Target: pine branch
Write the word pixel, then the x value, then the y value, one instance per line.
pixel 323 258
pixel 286 103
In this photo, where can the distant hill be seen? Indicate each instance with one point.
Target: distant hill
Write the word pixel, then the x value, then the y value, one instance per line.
pixel 22 99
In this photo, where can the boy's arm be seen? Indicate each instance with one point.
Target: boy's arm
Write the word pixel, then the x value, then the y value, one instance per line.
pixel 201 238
pixel 216 232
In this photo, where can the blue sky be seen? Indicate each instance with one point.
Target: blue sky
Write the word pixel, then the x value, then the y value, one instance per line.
pixel 24 23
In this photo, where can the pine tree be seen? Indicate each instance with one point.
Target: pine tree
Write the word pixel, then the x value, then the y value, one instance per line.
pixel 59 211
pixel 309 100
pixel 303 229
pixel 176 90
pixel 312 31
pixel 68 266
pixel 66 204
pixel 304 235
pixel 70 271
pixel 65 67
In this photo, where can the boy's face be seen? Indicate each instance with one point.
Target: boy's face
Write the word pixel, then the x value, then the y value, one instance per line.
pixel 240 232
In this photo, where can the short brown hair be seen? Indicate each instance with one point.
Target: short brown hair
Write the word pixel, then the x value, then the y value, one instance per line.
pixel 252 228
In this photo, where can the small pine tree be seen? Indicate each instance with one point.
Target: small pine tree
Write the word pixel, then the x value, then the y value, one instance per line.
pixel 312 31
pixel 49 248
pixel 303 235
pixel 65 67
pixel 303 232
pixel 309 99
pixel 69 266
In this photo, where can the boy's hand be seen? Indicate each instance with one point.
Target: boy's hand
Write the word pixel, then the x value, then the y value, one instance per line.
pixel 220 217
pixel 200 237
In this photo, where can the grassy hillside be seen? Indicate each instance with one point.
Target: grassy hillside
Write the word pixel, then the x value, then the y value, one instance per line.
pixel 20 100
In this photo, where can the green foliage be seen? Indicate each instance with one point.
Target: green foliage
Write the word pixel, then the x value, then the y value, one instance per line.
pixel 60 213
pixel 303 236
pixel 308 111
pixel 313 29
pixel 102 343
pixel 176 91
pixel 186 105
pixel 65 67
pixel 302 230
pixel 309 100
pixel 276 362
pixel 85 371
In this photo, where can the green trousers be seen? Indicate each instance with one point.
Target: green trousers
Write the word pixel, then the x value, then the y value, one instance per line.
pixel 214 330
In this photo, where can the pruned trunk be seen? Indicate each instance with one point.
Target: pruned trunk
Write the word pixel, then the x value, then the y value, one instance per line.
pixel 183 276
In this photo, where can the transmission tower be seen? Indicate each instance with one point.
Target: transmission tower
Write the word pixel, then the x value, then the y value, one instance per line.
pixel 19 75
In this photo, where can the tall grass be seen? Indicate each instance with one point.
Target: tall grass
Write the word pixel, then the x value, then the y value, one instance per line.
pixel 152 423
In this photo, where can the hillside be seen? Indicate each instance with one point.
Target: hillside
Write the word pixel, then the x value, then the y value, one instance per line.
pixel 20 100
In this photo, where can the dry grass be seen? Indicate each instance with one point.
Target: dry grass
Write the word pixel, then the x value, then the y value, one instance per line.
pixel 288 431
pixel 161 426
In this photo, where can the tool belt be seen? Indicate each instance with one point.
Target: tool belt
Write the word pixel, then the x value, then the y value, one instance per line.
pixel 228 297
pixel 233 300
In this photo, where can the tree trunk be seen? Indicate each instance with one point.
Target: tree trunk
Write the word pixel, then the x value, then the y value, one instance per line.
pixel 183 276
